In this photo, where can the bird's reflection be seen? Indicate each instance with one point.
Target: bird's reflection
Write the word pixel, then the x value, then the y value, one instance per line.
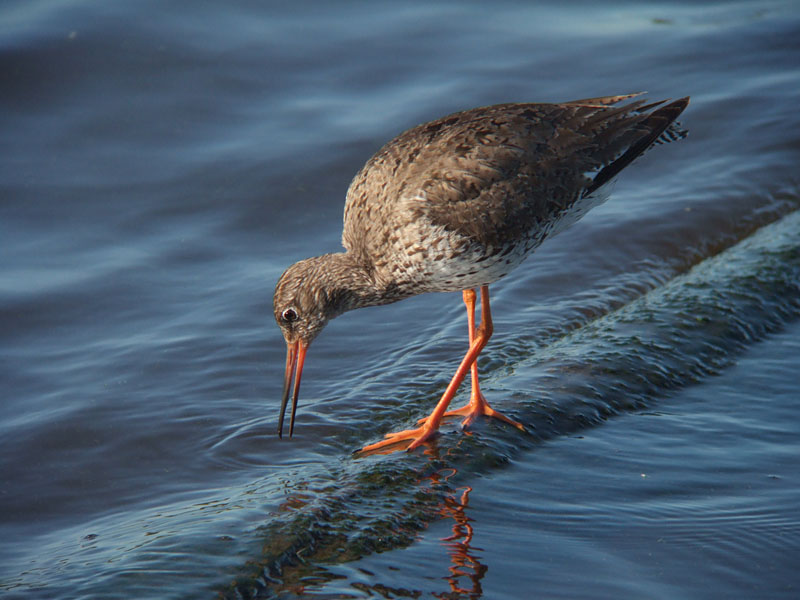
pixel 466 570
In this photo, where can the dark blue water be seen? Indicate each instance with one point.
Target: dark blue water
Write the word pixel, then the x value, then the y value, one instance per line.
pixel 162 164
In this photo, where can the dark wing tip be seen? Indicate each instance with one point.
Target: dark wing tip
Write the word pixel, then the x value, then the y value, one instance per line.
pixel 661 128
pixel 673 109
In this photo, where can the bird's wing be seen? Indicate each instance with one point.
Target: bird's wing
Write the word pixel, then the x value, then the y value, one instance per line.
pixel 497 174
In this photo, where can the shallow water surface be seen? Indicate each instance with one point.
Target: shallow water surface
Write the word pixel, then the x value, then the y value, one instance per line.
pixel 163 165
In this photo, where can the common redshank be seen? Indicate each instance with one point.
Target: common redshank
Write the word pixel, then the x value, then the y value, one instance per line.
pixel 456 204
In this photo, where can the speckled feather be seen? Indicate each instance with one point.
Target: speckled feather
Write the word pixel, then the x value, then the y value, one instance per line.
pixel 461 201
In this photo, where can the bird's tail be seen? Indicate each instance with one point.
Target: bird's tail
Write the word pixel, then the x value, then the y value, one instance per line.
pixel 660 127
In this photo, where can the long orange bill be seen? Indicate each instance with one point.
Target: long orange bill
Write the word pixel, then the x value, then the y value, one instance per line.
pixel 295 357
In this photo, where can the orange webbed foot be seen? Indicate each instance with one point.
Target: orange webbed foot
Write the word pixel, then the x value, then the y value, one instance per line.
pixel 478 408
pixel 408 439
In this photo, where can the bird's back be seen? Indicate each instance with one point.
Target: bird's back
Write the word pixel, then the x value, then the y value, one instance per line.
pixel 460 201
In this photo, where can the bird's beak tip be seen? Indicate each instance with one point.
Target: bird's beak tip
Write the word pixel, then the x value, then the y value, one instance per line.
pixel 295 357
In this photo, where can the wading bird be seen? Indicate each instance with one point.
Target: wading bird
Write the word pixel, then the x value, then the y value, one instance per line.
pixel 456 204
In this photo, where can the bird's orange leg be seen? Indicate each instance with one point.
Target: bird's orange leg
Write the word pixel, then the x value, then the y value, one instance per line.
pixel 478 405
pixel 478 338
pixel 430 425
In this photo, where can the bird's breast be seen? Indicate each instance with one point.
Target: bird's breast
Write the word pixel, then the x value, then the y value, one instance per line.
pixel 428 258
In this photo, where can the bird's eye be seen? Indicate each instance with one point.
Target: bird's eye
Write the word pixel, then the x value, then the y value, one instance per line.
pixel 289 315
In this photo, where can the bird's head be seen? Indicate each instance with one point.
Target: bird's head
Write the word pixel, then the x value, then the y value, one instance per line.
pixel 308 295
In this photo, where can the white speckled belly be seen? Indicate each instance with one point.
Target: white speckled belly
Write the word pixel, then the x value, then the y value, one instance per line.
pixel 439 263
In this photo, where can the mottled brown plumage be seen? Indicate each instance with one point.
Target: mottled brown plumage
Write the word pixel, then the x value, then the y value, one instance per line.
pixel 456 204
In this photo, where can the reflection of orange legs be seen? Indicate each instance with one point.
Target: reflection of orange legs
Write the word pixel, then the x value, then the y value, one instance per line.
pixel 466 563
pixel 478 337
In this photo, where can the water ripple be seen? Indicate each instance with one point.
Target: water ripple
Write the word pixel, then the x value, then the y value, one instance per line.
pixel 628 359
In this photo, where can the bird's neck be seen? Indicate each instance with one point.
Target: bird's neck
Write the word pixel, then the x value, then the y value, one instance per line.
pixel 351 283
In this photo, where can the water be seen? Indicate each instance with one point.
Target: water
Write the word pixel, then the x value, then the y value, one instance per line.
pixel 162 166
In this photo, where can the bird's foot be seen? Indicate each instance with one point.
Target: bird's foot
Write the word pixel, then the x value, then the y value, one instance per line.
pixel 477 407
pixel 408 439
